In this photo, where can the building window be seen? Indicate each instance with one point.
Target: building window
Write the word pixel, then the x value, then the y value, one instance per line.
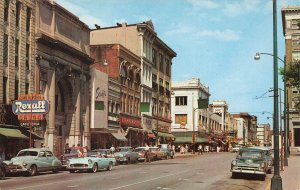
pixel 27 56
pixel 168 68
pixel 16 89
pixel 161 63
pixel 154 57
pixel 161 82
pixel 17 53
pixel 26 88
pixel 4 89
pixel 5 50
pixel 167 86
pixel 28 16
pixel 154 78
pixel 180 118
pixel 296 55
pixel 6 8
pixel 181 100
pixel 18 10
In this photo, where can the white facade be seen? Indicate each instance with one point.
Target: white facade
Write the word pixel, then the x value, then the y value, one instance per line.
pixel 221 107
pixel 241 130
pixel 193 90
pixel 260 133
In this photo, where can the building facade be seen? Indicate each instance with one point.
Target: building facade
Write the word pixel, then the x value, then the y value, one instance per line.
pixel 155 60
pixel 17 73
pixel 263 136
pixel 124 68
pixel 62 75
pixel 290 23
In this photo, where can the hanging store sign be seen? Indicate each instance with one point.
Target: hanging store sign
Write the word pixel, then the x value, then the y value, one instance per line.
pixel 30 107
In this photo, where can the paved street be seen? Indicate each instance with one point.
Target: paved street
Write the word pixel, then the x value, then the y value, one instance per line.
pixel 208 171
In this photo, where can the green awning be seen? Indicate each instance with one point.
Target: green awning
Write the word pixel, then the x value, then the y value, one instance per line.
pixel 14 133
pixel 189 140
pixel 166 135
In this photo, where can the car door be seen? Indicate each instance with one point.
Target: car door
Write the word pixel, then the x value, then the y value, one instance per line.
pixel 50 159
pixel 41 161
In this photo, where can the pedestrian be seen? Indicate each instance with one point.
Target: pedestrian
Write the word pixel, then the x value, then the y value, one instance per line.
pixel 112 149
pixel 186 148
pixel 200 149
pixel 147 153
pixel 2 153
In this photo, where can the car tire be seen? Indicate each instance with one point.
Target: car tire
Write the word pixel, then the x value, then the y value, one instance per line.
pixel 32 171
pixel 2 173
pixel 71 171
pixel 55 170
pixel 94 168
pixel 234 175
pixel 110 166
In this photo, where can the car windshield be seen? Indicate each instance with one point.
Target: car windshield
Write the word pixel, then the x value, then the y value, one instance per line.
pixel 122 149
pixel 251 154
pixel 139 149
pixel 27 153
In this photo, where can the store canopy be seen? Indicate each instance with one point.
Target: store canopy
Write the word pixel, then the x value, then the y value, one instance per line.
pixel 166 135
pixel 33 135
pixel 119 136
pixel 13 133
pixel 189 140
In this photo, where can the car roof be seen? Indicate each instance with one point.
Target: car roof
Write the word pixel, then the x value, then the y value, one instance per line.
pixel 35 149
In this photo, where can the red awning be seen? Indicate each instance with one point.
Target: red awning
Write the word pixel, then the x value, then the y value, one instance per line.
pixel 151 135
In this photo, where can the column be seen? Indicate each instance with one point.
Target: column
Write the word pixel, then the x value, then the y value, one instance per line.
pixel 51 126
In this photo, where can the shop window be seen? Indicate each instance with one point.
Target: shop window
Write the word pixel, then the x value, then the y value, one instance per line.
pixel 180 118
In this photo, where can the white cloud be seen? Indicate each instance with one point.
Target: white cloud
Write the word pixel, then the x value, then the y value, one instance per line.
pixel 179 30
pixel 210 4
pixel 240 7
pixel 226 35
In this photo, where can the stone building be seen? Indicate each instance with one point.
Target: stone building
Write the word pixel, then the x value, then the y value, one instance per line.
pixel 17 62
pixel 290 24
pixel 62 75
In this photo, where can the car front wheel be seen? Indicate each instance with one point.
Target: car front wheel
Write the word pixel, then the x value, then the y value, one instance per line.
pixel 32 171
pixel 2 173
pixel 94 168
pixel 110 165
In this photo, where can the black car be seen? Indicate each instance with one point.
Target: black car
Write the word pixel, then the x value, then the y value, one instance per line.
pixel 2 170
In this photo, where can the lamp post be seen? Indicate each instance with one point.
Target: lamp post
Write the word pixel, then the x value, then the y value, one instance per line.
pixel 276 181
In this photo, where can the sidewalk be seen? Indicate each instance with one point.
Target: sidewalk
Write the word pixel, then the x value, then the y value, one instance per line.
pixel 291 174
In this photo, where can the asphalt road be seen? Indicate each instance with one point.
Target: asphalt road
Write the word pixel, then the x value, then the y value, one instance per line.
pixel 208 171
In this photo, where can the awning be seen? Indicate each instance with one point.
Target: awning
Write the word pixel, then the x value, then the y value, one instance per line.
pixel 119 136
pixel 151 135
pixel 189 140
pixel 34 135
pixel 14 133
pixel 166 135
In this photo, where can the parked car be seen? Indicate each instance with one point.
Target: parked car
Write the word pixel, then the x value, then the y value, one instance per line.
pixel 69 153
pixel 33 160
pixel 168 151
pixel 93 162
pixel 236 148
pixel 126 155
pixel 157 153
pixel 269 155
pixel 3 169
pixel 141 153
pixel 105 153
pixel 250 161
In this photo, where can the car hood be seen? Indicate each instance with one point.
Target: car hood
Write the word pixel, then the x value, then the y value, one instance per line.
pixel 250 160
pixel 17 160
pixel 82 160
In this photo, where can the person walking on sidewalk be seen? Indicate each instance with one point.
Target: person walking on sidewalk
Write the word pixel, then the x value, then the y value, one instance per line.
pixel 200 149
pixel 147 153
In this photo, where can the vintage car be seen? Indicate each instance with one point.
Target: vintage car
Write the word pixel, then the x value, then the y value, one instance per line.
pixel 141 152
pixel 69 153
pixel 158 154
pixel 93 162
pixel 126 155
pixel 236 148
pixel 3 168
pixel 250 161
pixel 33 160
pixel 168 151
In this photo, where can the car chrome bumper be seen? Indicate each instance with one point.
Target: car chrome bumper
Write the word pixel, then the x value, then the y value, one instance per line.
pixel 248 171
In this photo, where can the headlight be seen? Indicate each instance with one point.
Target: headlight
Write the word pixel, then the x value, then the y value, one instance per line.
pixel 24 164
pixel 90 161
pixel 68 161
pixel 263 165
pixel 233 162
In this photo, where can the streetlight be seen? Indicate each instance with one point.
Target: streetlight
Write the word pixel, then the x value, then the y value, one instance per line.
pixel 276 181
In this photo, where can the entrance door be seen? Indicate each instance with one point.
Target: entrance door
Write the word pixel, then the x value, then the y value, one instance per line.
pixel 297 136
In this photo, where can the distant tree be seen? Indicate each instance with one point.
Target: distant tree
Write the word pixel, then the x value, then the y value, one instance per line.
pixel 293 78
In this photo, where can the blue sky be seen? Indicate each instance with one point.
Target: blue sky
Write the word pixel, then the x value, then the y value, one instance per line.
pixel 215 40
